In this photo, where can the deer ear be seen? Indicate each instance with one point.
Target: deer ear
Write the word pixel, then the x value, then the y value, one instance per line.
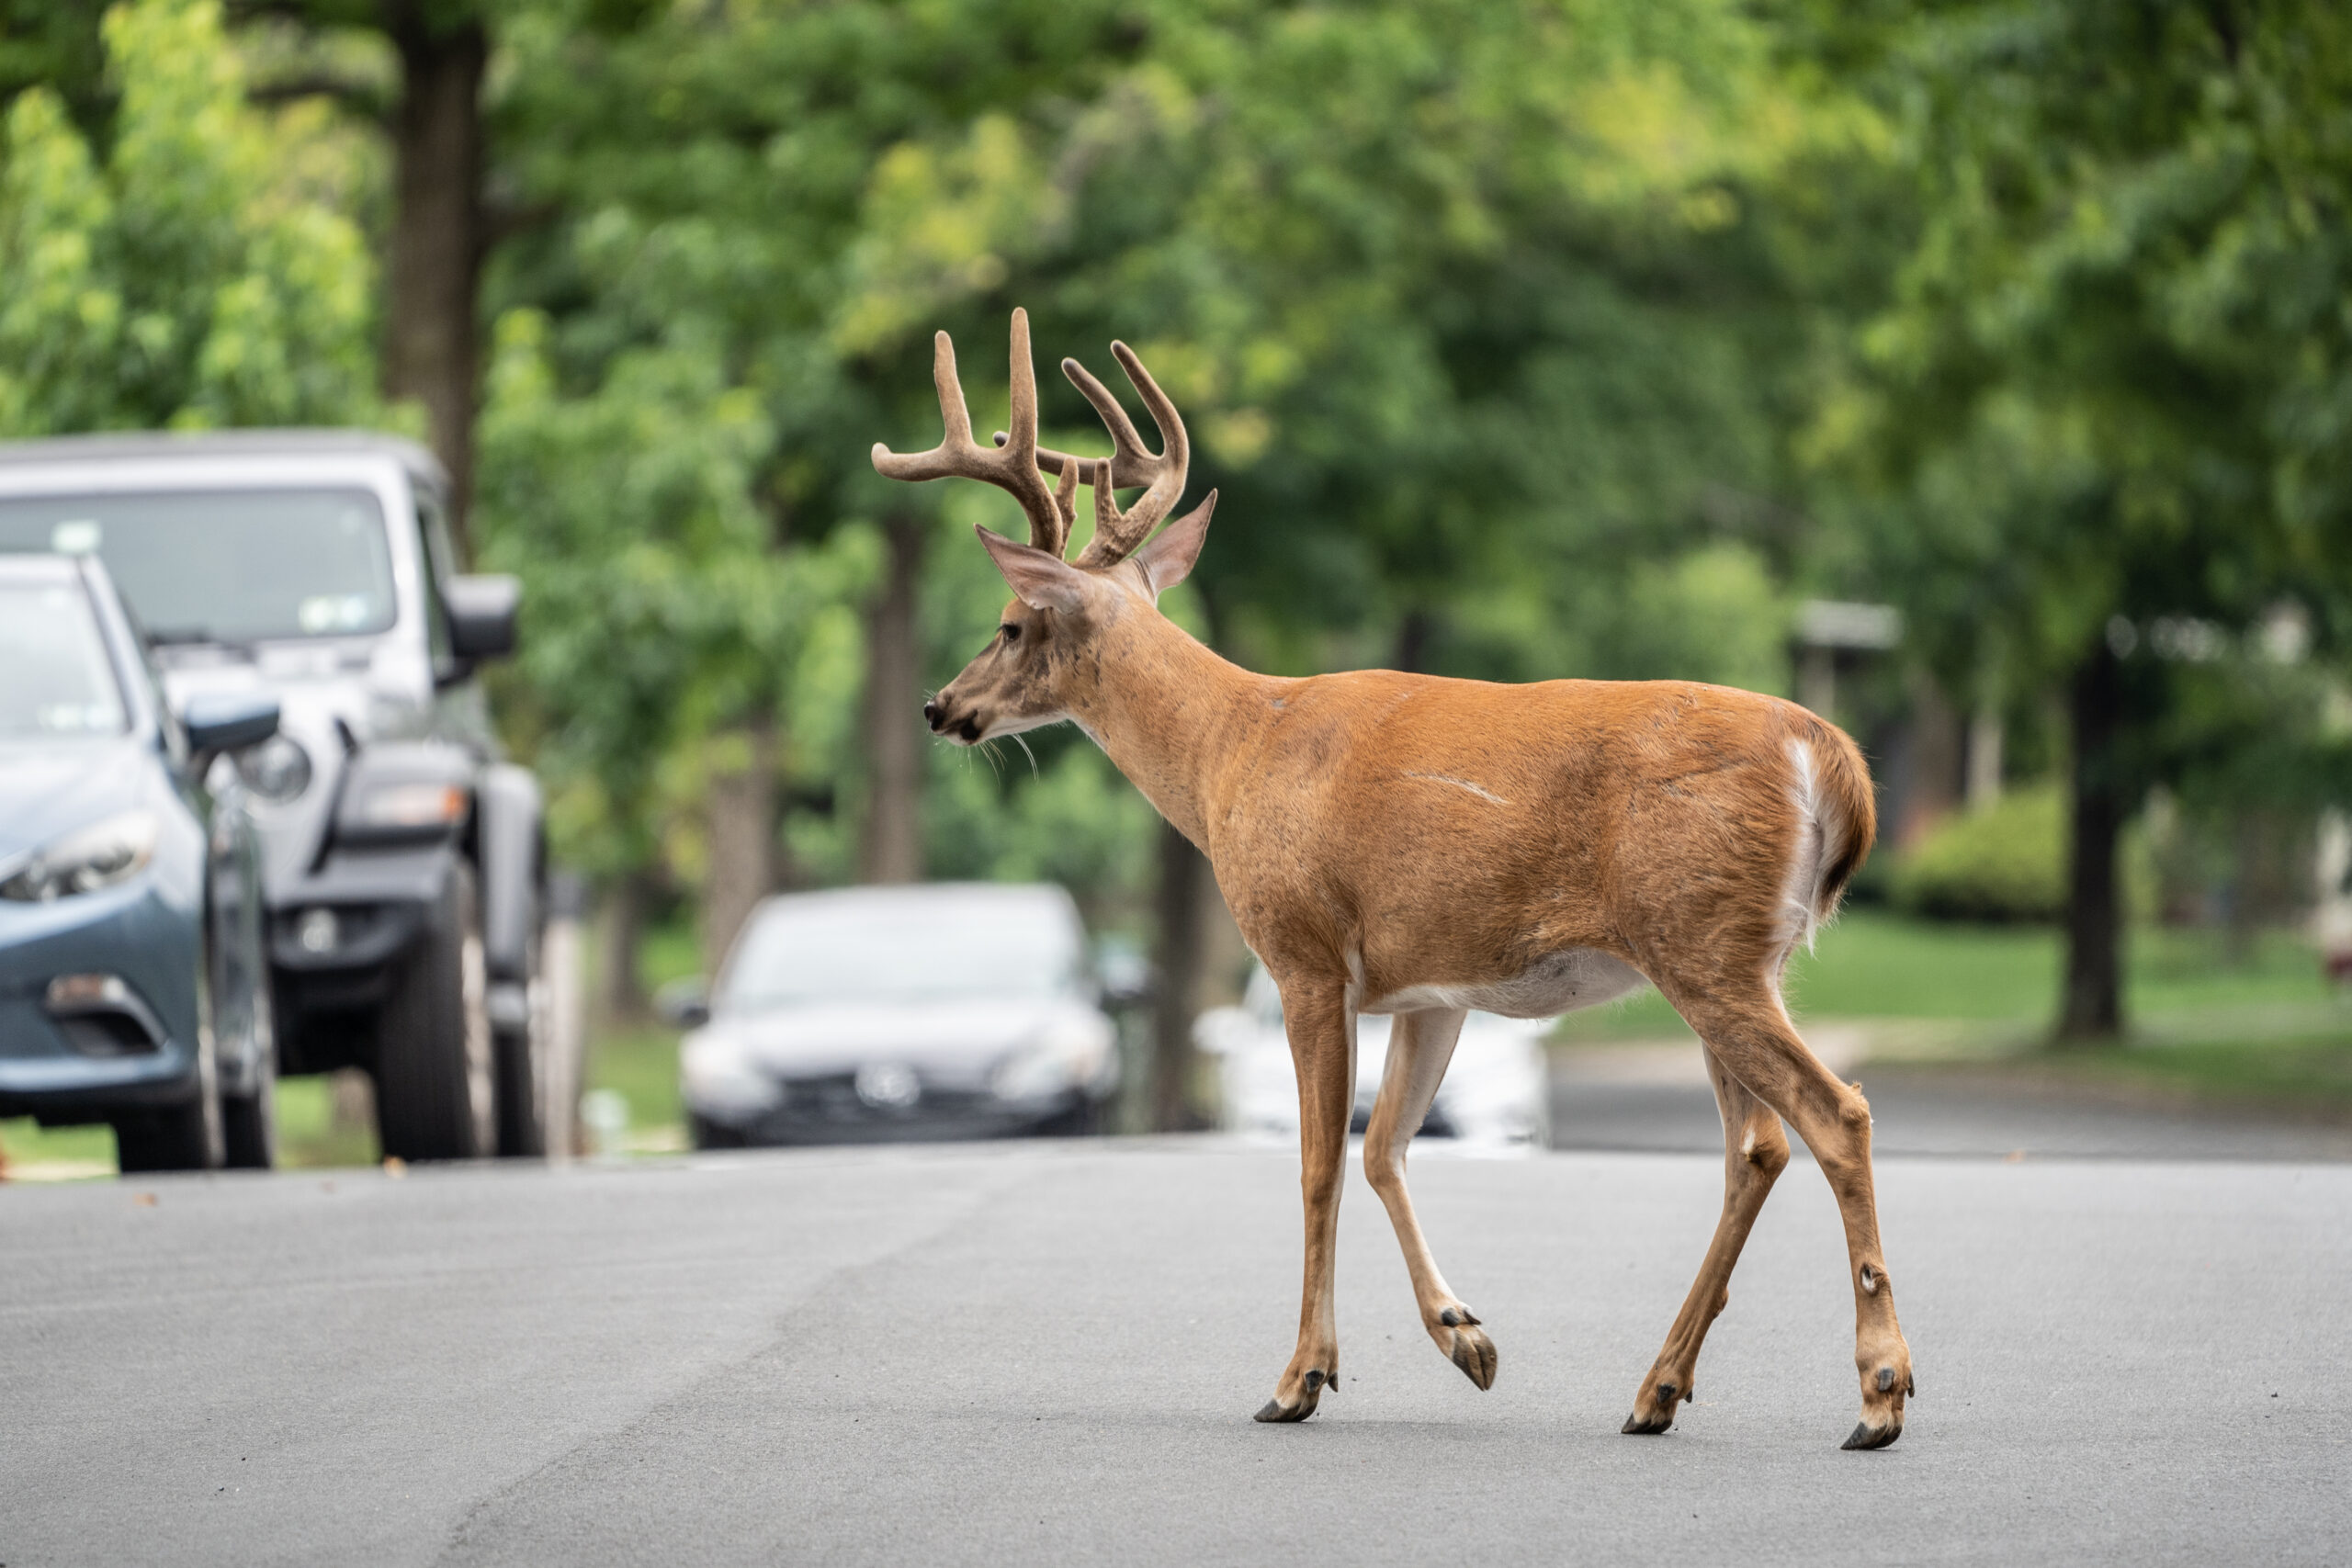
pixel 1168 559
pixel 1040 581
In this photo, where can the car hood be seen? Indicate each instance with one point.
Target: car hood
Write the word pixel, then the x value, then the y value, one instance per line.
pixel 948 1040
pixel 49 790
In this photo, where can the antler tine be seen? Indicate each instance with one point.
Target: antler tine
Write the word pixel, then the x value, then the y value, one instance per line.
pixel 1014 468
pixel 1117 534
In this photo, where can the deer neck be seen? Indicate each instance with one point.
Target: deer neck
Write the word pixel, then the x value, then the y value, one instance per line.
pixel 1167 711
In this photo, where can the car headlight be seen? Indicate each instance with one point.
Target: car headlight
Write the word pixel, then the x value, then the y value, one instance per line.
pixel 716 1075
pixel 87 860
pixel 278 770
pixel 1072 1053
pixel 409 807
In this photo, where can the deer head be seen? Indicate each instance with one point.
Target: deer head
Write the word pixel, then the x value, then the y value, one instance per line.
pixel 1026 675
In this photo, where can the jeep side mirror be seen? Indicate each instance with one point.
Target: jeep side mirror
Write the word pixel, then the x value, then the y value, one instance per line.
pixel 225 721
pixel 481 616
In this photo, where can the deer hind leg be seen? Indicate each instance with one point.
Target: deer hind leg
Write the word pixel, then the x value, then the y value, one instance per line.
pixel 1751 1035
pixel 1754 1153
pixel 1419 1046
pixel 1322 1026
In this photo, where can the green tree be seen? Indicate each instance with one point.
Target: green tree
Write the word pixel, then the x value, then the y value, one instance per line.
pixel 2108 393
pixel 204 272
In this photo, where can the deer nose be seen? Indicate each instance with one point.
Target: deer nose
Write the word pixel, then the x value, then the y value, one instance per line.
pixel 933 715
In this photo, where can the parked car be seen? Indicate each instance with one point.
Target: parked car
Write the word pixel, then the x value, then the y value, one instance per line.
pixel 1496 1094
pixel 880 1014
pixel 132 984
pixel 401 863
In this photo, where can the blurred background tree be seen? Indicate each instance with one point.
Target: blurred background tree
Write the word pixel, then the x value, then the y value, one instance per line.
pixel 2096 436
pixel 199 267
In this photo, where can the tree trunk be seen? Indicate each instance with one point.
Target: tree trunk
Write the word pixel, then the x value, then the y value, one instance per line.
pixel 740 818
pixel 1930 776
pixel 1179 905
pixel 430 348
pixel 1413 635
pixel 891 848
pixel 620 999
pixel 2094 999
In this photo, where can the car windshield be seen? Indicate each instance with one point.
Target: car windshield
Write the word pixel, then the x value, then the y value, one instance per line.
pixel 897 950
pixel 220 566
pixel 55 677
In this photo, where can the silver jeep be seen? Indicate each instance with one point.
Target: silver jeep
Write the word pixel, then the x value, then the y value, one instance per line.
pixel 403 862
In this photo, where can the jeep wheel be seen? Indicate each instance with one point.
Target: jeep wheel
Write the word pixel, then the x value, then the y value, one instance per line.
pixel 434 1068
pixel 520 1050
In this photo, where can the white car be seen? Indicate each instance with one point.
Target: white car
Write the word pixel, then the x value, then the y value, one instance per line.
pixel 886 1014
pixel 1496 1092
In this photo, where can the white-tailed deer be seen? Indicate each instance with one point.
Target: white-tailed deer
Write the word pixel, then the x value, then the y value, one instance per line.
pixel 1408 845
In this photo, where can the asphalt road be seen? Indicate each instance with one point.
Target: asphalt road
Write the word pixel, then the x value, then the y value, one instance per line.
pixel 1656 1100
pixel 1047 1353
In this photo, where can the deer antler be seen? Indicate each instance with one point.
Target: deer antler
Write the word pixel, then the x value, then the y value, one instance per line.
pixel 1117 534
pixel 1012 469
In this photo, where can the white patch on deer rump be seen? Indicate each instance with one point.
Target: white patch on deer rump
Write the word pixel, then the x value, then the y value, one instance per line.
pixel 1817 823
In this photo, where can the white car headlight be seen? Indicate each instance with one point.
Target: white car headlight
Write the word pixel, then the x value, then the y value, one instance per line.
pixel 87 860
pixel 717 1074
pixel 1072 1052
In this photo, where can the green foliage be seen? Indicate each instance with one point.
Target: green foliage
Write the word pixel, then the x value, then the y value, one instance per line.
pixel 2006 862
pixel 203 275
pixel 2106 383
pixel 661 609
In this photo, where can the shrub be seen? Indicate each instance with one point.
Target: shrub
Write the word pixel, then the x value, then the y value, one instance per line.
pixel 2006 862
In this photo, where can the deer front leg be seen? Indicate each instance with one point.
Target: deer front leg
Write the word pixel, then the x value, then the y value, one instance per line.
pixel 1419 1046
pixel 1321 1027
pixel 1754 1153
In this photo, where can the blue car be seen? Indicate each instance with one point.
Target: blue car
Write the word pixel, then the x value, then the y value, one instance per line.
pixel 133 989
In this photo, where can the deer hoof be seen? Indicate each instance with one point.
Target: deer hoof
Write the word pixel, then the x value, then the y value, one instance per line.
pixel 1311 1386
pixel 1865 1437
pixel 1475 1354
pixel 1654 1409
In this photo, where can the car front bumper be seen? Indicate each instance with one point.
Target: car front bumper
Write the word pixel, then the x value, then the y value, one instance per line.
pixel 829 1110
pixel 136 933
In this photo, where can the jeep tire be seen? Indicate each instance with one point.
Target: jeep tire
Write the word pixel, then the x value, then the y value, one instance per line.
pixel 435 1096
pixel 520 1055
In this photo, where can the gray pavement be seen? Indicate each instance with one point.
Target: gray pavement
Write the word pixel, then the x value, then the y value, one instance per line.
pixel 1663 1108
pixel 1045 1353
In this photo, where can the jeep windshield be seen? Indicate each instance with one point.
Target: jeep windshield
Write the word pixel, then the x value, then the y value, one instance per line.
pixel 225 566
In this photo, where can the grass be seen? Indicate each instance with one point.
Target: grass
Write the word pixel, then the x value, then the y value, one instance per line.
pixel 641 1066
pixel 308 1137
pixel 1872 965
pixel 2210 1021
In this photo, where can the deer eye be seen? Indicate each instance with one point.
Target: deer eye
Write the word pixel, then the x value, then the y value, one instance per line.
pixel 1009 632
